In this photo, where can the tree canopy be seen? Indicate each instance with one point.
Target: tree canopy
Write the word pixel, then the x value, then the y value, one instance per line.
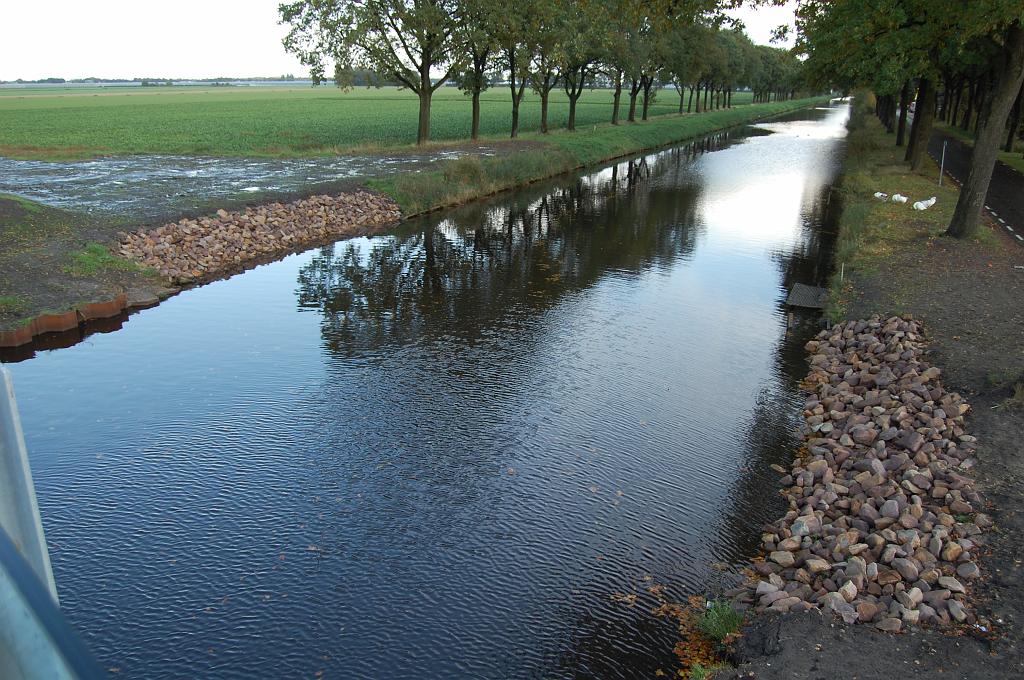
pixel 574 44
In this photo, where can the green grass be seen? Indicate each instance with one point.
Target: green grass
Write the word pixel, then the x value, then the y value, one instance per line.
pixel 871 230
pixel 719 621
pixel 96 258
pixel 242 121
pixel 469 178
pixel 1014 160
pixel 13 304
pixel 702 672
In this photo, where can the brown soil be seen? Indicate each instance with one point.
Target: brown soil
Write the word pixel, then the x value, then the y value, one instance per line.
pixel 38 271
pixel 971 298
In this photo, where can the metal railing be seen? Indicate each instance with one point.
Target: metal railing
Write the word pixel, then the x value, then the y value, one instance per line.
pixel 36 641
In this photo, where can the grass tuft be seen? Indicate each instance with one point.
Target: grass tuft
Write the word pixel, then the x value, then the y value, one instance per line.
pixel 96 258
pixel 702 672
pixel 719 621
pixel 13 304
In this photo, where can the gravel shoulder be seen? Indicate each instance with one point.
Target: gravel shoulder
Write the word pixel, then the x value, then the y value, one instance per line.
pixel 970 296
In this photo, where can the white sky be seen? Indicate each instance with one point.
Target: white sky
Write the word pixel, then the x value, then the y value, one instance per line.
pixel 760 22
pixel 178 39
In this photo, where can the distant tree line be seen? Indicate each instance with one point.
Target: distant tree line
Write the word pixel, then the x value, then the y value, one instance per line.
pixel 962 62
pixel 633 47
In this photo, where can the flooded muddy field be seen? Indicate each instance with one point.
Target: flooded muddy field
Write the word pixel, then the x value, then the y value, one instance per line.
pixel 471 448
pixel 151 187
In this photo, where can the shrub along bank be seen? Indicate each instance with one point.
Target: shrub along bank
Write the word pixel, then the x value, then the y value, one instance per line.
pixel 472 177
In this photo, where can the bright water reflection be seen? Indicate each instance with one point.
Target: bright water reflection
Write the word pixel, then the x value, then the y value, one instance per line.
pixel 440 453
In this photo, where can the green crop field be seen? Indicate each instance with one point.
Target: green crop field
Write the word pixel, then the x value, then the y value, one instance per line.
pixel 251 121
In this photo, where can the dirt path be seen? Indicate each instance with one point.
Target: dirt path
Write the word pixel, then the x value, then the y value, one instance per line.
pixel 1005 200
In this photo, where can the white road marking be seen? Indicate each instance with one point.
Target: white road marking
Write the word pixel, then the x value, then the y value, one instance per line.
pixel 1019 237
pixel 1001 220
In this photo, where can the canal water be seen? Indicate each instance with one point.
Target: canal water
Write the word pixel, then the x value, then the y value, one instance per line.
pixel 478 448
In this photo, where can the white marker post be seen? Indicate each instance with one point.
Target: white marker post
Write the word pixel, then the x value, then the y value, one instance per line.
pixel 942 164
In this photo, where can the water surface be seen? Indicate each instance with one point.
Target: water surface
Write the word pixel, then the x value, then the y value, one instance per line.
pixel 451 451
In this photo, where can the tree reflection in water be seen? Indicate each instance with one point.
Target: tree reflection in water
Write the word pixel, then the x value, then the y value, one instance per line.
pixel 461 273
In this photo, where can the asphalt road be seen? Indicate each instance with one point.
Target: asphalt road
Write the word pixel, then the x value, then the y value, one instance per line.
pixel 1005 199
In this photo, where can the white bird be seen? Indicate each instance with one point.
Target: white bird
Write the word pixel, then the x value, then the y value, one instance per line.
pixel 924 205
pixel 880 196
pixel 899 198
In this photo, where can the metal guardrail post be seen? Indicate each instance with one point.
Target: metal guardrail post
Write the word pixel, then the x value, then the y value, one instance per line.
pixel 19 512
pixel 36 641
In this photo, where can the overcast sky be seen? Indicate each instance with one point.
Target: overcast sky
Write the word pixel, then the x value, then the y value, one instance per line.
pixel 180 39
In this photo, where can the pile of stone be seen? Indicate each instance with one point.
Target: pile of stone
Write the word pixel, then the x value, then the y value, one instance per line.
pixel 883 527
pixel 193 249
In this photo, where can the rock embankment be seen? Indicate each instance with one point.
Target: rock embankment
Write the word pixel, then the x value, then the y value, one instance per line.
pixel 193 249
pixel 883 527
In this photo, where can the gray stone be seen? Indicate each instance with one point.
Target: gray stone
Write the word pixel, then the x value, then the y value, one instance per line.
pixel 968 570
pixel 907 569
pixel 783 558
pixel 816 565
pixel 890 508
pixel 951 584
pixel 889 625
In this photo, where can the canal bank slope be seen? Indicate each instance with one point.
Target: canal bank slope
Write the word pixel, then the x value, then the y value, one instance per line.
pixel 970 297
pixel 55 264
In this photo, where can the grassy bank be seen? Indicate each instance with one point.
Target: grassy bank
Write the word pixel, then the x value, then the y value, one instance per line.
pixel 871 230
pixel 255 121
pixel 52 260
pixel 1015 160
pixel 472 177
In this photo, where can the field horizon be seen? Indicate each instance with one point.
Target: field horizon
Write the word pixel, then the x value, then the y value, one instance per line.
pixel 69 124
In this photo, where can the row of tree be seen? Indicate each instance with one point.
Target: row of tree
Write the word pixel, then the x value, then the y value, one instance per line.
pixel 632 47
pixel 906 51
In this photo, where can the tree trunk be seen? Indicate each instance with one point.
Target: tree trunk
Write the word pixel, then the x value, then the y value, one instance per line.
pixel 729 104
pixel 475 131
pixel 913 129
pixel 617 98
pixel 517 98
pixel 634 90
pixel 423 134
pixel 682 100
pixel 924 116
pixel 696 108
pixel 944 109
pixel 707 91
pixel 515 118
pixel 689 103
pixel 979 106
pixel 647 83
pixel 571 125
pixel 972 91
pixel 544 109
pixel 954 104
pixel 967 215
pixel 1014 122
